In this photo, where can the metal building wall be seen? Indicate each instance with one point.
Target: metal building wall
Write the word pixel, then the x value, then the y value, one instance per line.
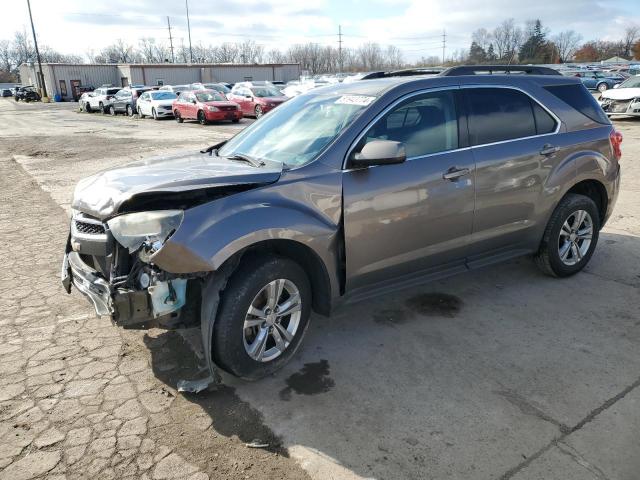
pixel 89 75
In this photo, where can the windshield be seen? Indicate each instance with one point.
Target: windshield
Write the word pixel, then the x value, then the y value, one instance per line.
pixel 298 130
pixel 633 82
pixel 210 97
pixel 163 95
pixel 219 87
pixel 266 92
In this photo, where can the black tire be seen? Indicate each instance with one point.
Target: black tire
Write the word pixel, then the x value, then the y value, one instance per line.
pixel 202 119
pixel 176 115
pixel 253 274
pixel 140 114
pixel 235 120
pixel 16 99
pixel 87 107
pixel 548 256
pixel 154 114
pixel 602 87
pixel 103 110
pixel 258 111
pixel 112 111
pixel 129 110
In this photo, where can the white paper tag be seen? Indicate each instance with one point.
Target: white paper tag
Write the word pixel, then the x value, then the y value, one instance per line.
pixel 361 100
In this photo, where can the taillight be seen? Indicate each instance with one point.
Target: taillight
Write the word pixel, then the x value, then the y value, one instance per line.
pixel 615 138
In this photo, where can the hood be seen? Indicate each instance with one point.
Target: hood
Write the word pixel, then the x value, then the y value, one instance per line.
pixel 274 99
pixel 154 182
pixel 622 93
pixel 164 103
pixel 220 103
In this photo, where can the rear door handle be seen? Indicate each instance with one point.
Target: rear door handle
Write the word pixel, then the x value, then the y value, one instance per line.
pixel 454 173
pixel 549 150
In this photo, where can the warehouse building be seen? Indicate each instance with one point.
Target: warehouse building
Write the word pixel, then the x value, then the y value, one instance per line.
pixel 65 79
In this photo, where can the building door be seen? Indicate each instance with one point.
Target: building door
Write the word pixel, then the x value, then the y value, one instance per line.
pixel 124 81
pixel 74 88
pixel 63 88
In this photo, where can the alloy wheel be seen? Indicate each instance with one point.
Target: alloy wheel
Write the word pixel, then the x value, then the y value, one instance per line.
pixel 258 111
pixel 272 320
pixel 575 237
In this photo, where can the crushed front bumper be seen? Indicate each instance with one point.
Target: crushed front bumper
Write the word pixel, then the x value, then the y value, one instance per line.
pixel 88 282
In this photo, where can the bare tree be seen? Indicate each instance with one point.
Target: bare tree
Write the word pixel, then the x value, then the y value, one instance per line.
pixel 119 52
pixel 567 44
pixel 393 57
pixel 482 38
pixel 6 56
pixel 630 37
pixel 371 57
pixel 507 38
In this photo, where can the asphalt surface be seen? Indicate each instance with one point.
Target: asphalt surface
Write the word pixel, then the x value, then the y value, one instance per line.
pixel 502 373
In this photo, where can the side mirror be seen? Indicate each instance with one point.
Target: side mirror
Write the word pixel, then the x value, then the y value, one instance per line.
pixel 248 96
pixel 380 152
pixel 193 101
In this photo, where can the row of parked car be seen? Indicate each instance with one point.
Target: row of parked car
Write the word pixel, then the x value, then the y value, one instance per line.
pixel 208 102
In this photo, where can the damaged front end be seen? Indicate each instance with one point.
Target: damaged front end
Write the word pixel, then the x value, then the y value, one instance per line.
pixel 111 264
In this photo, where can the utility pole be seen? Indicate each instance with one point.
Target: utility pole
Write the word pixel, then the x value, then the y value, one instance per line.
pixel 340 63
pixel 173 58
pixel 444 44
pixel 35 42
pixel 186 2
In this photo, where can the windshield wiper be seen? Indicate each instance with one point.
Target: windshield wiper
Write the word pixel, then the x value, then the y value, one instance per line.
pixel 213 148
pixel 241 157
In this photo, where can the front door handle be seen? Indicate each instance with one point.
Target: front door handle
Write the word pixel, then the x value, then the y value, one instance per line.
pixel 549 150
pixel 454 173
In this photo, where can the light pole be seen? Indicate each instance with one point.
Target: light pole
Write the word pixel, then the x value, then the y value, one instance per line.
pixel 35 42
pixel 186 2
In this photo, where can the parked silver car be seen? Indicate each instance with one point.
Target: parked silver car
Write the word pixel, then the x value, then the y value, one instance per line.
pixel 345 193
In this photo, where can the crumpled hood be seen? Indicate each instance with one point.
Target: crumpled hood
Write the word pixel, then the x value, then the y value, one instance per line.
pixel 622 93
pixel 102 194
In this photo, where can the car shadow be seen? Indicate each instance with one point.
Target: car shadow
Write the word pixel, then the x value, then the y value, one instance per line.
pixel 461 378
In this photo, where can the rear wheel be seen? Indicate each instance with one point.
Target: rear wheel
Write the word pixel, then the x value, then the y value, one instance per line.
pixel 602 87
pixel 571 236
pixel 262 317
pixel 176 115
pixel 202 118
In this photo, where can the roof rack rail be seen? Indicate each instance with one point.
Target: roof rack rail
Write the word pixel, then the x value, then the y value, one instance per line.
pixel 407 72
pixel 499 70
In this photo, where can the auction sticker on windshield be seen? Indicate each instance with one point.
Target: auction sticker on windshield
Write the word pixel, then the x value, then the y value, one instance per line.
pixel 361 100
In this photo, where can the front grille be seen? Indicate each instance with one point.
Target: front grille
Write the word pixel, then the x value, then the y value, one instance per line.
pixel 89 228
pixel 167 107
pixel 227 109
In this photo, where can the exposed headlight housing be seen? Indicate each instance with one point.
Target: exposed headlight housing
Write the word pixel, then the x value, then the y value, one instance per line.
pixel 134 229
pixel 211 108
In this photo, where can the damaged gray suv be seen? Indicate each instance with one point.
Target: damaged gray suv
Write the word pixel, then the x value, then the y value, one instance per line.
pixel 342 194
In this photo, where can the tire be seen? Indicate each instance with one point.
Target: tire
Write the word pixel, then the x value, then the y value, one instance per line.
pixel 154 114
pixel 258 111
pixel 87 107
pixel 561 233
pixel 129 110
pixel 202 119
pixel 247 285
pixel 16 99
pixel 235 120
pixel 112 111
pixel 103 110
pixel 176 115
pixel 602 87
pixel 140 114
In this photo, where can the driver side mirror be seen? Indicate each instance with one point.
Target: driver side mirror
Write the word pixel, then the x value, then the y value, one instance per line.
pixel 248 96
pixel 380 152
pixel 193 101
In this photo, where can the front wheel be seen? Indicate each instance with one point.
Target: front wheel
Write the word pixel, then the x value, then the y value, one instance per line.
pixel 112 111
pixel 262 317
pixel 602 87
pixel 155 114
pixel 202 119
pixel 129 111
pixel 140 114
pixel 570 238
pixel 176 115
pixel 258 111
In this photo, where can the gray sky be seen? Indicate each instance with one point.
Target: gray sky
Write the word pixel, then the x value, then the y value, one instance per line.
pixel 75 26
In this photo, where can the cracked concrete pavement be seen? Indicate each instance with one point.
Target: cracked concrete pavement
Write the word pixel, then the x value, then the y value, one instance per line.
pixel 500 373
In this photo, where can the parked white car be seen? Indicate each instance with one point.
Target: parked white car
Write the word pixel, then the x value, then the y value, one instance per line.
pixel 177 89
pixel 100 99
pixel 156 104
pixel 623 99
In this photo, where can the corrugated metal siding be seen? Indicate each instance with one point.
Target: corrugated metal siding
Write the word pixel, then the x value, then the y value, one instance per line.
pixel 89 75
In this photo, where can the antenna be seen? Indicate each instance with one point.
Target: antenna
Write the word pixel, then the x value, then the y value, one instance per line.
pixel 186 2
pixel 340 48
pixel 173 58
pixel 444 44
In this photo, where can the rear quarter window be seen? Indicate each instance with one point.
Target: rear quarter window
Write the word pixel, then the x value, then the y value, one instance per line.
pixel 579 98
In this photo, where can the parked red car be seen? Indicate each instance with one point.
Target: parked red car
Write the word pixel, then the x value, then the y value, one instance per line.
pixel 257 100
pixel 205 106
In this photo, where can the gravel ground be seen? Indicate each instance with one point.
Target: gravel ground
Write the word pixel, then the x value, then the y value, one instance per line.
pixel 499 373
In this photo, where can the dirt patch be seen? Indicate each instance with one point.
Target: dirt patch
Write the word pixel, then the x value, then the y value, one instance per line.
pixel 311 380
pixel 435 304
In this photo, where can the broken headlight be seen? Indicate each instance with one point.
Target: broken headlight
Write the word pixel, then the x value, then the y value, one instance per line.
pixel 135 229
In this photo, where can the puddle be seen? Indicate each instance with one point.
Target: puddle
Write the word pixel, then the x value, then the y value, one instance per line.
pixel 435 304
pixel 311 380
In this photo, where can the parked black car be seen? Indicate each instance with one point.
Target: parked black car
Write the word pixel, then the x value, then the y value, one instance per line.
pixel 126 99
pixel 28 94
pixel 6 92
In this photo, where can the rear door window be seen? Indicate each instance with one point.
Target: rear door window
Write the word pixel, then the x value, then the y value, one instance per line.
pixel 499 114
pixel 578 97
